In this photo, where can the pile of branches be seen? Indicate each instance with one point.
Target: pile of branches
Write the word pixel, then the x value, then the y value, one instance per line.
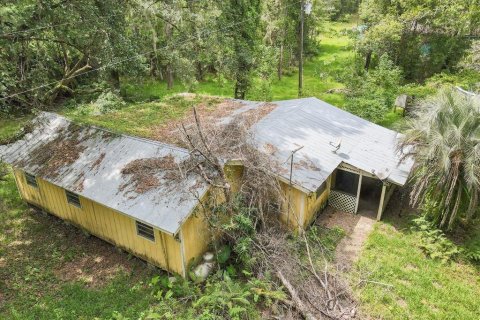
pixel 212 144
pixel 315 294
pixel 317 288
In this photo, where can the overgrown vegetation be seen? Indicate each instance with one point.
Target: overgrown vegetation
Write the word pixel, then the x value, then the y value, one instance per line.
pixel 119 64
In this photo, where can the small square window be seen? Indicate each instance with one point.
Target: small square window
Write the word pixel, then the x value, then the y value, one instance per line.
pixel 145 231
pixel 73 199
pixel 31 180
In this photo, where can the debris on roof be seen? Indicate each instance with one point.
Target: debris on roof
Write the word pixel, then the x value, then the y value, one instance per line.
pixel 142 172
pixel 90 161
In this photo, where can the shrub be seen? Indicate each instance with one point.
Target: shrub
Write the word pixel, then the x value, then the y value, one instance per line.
pixel 434 242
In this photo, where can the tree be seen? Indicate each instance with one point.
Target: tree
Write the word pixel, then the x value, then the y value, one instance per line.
pixel 472 59
pixel 444 140
pixel 47 45
pixel 373 93
pixel 242 18
pixel 422 37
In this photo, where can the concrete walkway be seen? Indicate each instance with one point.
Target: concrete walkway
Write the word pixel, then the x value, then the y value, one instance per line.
pixel 349 248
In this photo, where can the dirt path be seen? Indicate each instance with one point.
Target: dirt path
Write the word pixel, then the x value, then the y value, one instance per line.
pixel 357 227
pixel 349 248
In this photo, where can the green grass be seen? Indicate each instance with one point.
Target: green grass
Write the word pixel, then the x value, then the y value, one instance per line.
pixel 152 105
pixel 142 119
pixel 9 126
pixel 37 250
pixel 335 53
pixel 421 288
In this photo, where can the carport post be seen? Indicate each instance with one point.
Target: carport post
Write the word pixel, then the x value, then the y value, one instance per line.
pixel 358 192
pixel 382 199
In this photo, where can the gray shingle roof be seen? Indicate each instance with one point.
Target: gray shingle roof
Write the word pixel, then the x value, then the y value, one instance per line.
pixel 94 170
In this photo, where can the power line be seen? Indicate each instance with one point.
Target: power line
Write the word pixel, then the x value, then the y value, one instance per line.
pixel 126 59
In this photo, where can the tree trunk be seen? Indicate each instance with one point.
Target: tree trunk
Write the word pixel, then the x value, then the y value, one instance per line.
pixel 280 63
pixel 200 71
pixel 169 77
pixel 239 91
pixel 368 60
pixel 115 79
pixel 153 66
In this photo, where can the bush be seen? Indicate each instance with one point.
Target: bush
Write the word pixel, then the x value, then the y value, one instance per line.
pixel 434 242
pixel 373 93
pixel 221 297
pixel 106 102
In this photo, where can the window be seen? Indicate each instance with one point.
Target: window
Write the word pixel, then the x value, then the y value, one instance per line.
pixel 145 231
pixel 321 189
pixel 31 180
pixel 73 199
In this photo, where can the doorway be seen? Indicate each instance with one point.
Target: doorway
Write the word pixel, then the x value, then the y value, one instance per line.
pixel 370 193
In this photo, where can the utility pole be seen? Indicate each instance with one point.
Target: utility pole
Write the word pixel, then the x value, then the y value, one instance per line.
pixel 290 183
pixel 300 50
pixel 305 9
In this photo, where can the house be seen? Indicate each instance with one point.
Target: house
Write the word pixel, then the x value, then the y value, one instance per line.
pixel 323 153
pixel 133 193
pixel 117 187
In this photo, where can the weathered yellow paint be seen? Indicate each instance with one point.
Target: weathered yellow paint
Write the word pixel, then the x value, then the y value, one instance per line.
pixel 303 206
pixel 315 204
pixel 294 206
pixel 119 229
pixel 195 237
pixel 234 174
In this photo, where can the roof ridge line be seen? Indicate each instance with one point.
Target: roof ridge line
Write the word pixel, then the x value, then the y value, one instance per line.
pixel 146 140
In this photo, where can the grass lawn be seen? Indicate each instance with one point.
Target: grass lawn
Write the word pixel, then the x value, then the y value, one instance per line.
pixel 422 288
pixel 141 119
pixel 51 270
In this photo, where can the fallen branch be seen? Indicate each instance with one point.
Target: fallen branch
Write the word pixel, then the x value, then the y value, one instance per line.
pixel 299 305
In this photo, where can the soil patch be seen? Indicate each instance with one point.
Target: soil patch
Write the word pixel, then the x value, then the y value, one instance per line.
pixel 94 269
pixel 331 218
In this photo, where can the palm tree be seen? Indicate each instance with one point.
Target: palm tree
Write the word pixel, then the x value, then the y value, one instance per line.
pixel 444 139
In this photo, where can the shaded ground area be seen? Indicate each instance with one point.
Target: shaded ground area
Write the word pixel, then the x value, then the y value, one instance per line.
pixel 49 269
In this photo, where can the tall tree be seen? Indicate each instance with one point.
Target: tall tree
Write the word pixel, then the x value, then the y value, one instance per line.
pixel 47 45
pixel 242 21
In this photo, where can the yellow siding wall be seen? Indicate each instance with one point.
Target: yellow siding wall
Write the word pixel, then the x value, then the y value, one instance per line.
pixel 107 224
pixel 195 237
pixel 303 206
pixel 234 174
pixel 314 204
pixel 293 213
